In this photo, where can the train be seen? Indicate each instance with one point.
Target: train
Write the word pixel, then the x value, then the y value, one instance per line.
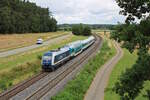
pixel 55 58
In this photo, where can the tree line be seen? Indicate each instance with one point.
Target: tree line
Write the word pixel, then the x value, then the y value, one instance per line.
pixel 67 27
pixel 21 16
pixel 134 36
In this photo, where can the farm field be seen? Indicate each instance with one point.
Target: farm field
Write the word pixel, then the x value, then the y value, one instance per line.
pixel 76 89
pixel 13 41
pixel 17 68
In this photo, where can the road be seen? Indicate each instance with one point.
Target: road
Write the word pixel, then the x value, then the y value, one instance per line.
pixel 24 49
pixel 97 88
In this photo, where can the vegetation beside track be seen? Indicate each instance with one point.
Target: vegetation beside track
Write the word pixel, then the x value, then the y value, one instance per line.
pixel 17 68
pixel 76 89
pixel 126 61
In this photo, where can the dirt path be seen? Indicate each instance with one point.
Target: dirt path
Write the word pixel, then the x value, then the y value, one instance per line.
pixel 96 90
pixel 24 49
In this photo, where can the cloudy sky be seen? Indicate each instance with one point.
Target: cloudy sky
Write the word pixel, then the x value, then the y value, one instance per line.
pixel 83 11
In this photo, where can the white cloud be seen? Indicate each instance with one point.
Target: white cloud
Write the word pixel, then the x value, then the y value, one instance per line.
pixel 83 11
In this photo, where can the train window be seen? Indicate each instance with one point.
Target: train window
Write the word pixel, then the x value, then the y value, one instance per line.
pixel 61 56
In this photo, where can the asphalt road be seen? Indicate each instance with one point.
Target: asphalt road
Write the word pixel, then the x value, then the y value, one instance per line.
pixel 24 49
pixel 97 88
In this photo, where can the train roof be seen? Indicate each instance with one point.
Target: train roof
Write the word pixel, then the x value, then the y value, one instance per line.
pixel 88 39
pixel 74 44
pixel 58 51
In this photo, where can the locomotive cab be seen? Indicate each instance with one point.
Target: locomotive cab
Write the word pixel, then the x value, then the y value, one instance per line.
pixel 47 60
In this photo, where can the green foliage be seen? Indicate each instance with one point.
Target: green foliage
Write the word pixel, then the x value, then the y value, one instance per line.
pixel 76 89
pixel 131 82
pixel 126 62
pixel 134 36
pixel 93 26
pixel 134 8
pixel 18 16
pixel 148 93
pixel 39 57
pixel 81 30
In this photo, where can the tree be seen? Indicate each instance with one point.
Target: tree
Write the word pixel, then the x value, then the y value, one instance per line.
pixel 134 36
pixel 87 30
pixel 134 8
pixel 81 30
pixel 21 16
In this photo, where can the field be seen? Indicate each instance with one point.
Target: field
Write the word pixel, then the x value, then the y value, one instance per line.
pixel 17 68
pixel 76 89
pixel 8 42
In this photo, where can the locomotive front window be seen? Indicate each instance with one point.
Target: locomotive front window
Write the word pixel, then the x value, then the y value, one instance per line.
pixel 47 56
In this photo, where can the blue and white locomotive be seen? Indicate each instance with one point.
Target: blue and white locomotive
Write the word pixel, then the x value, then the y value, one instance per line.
pixel 55 58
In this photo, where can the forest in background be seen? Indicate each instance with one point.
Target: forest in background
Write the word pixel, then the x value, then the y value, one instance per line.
pixel 21 16
pixel 68 27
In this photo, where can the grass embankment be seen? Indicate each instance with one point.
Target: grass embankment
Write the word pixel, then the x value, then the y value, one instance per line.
pixel 76 89
pixel 17 68
pixel 126 61
pixel 12 41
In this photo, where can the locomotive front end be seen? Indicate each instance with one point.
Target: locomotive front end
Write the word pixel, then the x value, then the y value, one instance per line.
pixel 47 61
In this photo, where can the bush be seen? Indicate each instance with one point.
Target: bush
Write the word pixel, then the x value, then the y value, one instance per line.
pixel 81 30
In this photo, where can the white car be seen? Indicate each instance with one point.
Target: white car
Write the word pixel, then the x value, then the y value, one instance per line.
pixel 39 41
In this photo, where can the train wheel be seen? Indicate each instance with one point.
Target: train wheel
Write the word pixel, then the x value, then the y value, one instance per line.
pixel 52 69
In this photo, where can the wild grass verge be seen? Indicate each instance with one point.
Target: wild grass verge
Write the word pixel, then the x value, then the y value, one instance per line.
pixel 76 89
pixel 125 62
pixel 18 74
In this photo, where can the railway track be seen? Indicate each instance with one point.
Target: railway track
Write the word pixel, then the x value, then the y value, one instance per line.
pixel 37 95
pixel 20 87
pixel 41 91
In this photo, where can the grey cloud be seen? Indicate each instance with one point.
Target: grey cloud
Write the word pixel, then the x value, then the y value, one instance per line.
pixel 83 11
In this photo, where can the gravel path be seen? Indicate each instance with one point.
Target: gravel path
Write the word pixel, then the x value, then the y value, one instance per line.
pixel 96 90
pixel 24 49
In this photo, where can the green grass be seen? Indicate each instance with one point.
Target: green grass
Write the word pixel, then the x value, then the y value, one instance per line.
pixel 76 89
pixel 17 68
pixel 126 62
pixel 142 95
